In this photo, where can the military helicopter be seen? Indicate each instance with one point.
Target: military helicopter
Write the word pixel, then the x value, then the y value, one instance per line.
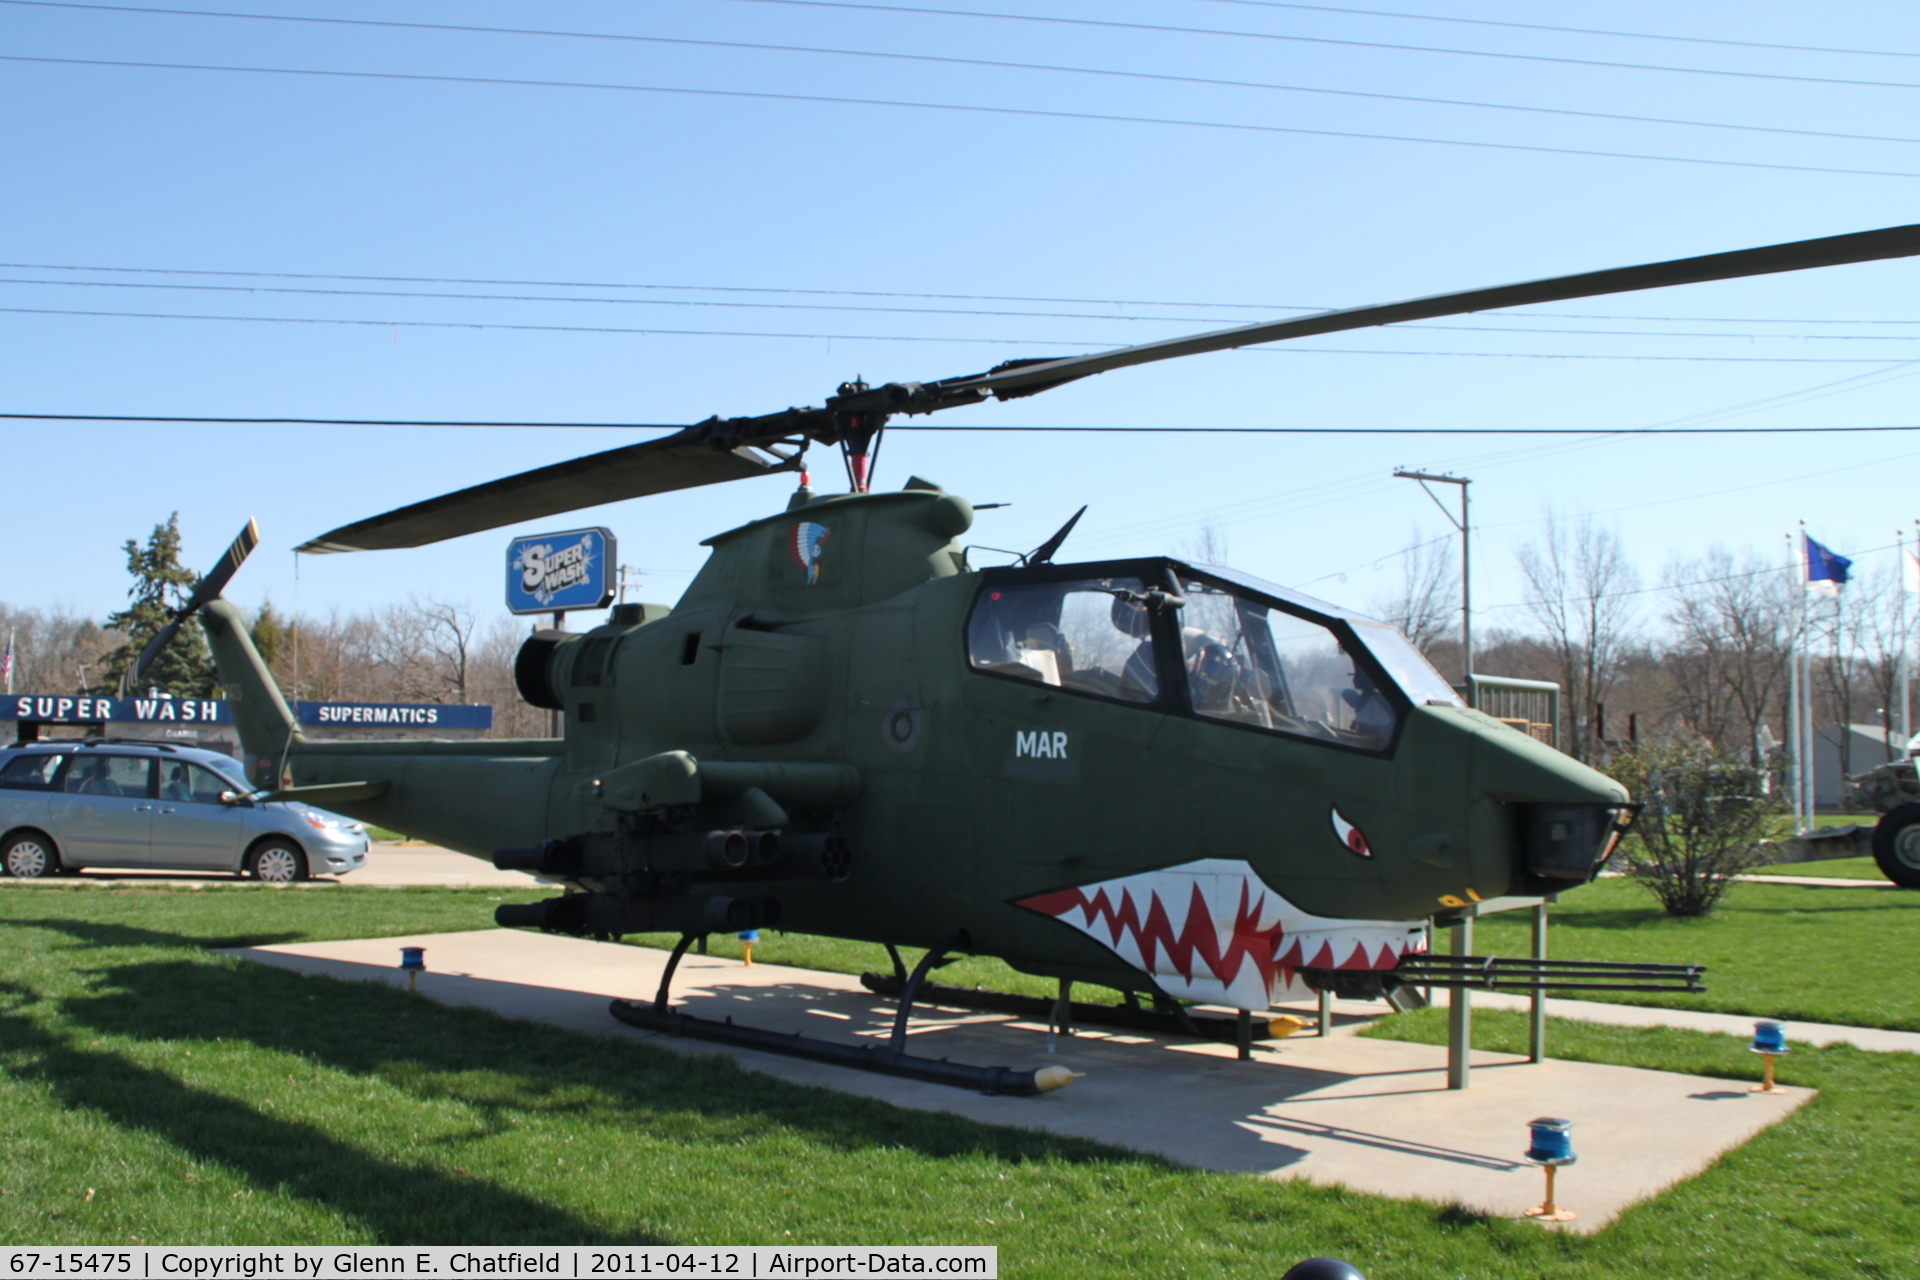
pixel 1170 779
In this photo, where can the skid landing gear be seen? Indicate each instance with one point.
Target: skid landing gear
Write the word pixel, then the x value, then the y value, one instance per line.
pixel 891 1058
pixel 1169 1019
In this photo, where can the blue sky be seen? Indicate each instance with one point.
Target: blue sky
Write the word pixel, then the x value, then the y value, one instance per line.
pixel 826 227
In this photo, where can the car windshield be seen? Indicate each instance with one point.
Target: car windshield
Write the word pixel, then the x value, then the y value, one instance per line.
pixel 1253 664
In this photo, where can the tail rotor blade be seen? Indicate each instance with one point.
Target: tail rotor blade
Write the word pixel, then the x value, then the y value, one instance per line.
pixel 222 572
pixel 205 591
pixel 154 647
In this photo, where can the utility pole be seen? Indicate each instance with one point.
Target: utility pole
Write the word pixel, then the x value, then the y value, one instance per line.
pixel 556 726
pixel 1465 525
pixel 626 572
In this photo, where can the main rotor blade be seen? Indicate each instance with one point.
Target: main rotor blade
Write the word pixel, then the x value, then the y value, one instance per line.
pixel 1861 246
pixel 679 461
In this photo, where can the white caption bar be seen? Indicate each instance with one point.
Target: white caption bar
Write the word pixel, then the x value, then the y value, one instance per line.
pixel 440 1262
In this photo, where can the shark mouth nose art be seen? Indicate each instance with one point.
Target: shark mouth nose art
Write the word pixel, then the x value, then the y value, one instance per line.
pixel 1213 931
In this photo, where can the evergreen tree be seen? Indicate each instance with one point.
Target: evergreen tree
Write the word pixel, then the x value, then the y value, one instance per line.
pixel 270 633
pixel 160 587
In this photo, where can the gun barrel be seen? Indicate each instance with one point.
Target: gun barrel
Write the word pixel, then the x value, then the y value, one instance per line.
pixel 1524 973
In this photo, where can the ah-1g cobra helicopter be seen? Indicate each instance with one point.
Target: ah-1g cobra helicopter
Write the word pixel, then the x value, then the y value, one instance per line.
pixel 1155 776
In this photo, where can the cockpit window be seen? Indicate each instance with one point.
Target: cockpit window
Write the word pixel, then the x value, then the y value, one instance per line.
pixel 1252 664
pixel 1090 636
pixel 1407 665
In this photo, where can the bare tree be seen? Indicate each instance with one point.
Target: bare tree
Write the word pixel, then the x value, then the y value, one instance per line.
pixel 1578 589
pixel 56 650
pixel 1426 604
pixel 1884 630
pixel 1209 545
pixel 1735 621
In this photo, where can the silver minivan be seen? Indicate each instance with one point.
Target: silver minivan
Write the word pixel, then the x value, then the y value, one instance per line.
pixel 67 806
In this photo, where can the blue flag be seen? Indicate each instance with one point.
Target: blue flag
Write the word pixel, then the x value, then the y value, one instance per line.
pixel 1826 572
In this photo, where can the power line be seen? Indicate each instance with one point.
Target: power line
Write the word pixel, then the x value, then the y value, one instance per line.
pixel 878 293
pixel 1104 430
pixel 1414 430
pixel 1575 31
pixel 1161 29
pixel 941 311
pixel 948 60
pixel 923 338
pixel 964 108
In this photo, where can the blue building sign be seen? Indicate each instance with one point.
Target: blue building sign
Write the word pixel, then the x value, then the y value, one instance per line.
pixel 72 709
pixel 392 715
pixel 552 572
pixel 78 709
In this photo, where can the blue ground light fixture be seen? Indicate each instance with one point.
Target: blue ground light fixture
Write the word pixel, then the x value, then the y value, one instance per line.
pixel 1550 1147
pixel 557 572
pixel 1770 1041
pixel 413 963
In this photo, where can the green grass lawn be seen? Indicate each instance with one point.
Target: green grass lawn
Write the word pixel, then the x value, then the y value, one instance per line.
pixel 1845 819
pixel 159 1092
pixel 1773 951
pixel 1834 868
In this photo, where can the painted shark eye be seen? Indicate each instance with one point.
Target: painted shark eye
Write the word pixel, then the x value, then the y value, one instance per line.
pixel 1350 836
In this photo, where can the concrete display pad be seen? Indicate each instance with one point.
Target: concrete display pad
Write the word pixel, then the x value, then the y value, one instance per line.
pixel 1369 1114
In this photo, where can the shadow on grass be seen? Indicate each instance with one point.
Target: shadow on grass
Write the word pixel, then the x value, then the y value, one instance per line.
pixel 502 1067
pixel 397 1203
pixel 96 933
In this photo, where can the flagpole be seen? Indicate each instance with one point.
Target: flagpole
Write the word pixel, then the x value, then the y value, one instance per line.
pixel 1794 747
pixel 1899 711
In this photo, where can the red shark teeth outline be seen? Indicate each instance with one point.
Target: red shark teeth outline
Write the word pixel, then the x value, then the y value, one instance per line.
pixel 1208 953
pixel 1196 938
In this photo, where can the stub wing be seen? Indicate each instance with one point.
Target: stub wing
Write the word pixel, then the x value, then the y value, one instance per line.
pixel 1214 932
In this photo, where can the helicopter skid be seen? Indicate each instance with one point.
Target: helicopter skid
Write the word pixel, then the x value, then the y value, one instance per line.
pixel 1040 1009
pixel 865 1057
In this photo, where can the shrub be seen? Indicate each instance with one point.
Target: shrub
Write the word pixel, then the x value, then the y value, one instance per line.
pixel 1705 816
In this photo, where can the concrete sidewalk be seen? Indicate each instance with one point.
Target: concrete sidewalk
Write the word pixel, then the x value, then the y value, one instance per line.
pixel 1733 1024
pixel 393 865
pixel 1819 882
pixel 410 862
pixel 1373 1115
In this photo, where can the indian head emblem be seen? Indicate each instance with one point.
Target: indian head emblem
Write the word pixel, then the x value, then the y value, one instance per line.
pixel 803 544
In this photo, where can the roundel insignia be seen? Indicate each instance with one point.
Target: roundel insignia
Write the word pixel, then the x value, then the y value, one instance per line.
pixel 804 541
pixel 900 726
pixel 1350 836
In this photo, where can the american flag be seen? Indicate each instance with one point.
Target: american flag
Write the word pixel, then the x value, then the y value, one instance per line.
pixel 6 662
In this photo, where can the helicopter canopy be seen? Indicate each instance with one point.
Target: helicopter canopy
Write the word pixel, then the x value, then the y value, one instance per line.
pixel 1230 652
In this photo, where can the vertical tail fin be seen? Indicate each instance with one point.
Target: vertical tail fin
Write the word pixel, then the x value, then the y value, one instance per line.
pixel 267 726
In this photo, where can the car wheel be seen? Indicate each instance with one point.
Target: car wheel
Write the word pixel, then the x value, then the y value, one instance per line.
pixel 277 862
pixel 29 856
pixel 1896 845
